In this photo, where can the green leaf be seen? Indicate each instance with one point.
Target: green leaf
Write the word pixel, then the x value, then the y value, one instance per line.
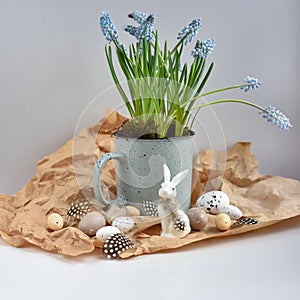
pixel 116 81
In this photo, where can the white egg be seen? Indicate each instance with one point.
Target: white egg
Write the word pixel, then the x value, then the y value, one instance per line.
pixel 232 211
pixel 212 201
pixel 216 202
pixel 124 224
pixel 105 232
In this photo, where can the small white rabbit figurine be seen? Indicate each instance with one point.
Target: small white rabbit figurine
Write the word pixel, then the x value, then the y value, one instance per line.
pixel 174 222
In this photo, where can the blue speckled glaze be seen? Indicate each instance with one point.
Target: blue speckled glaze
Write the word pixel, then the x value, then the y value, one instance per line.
pixel 140 169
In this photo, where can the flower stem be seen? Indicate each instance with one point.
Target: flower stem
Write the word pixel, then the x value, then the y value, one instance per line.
pixel 178 44
pixel 221 90
pixel 212 92
pixel 229 100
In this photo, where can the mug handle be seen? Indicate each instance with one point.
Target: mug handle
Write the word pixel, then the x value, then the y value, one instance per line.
pixel 98 168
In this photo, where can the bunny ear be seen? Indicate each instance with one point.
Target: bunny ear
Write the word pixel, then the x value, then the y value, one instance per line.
pixel 180 176
pixel 167 173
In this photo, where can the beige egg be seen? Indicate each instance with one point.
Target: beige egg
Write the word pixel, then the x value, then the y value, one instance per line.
pixel 55 221
pixel 223 222
pixel 198 218
pixel 132 211
pixel 91 222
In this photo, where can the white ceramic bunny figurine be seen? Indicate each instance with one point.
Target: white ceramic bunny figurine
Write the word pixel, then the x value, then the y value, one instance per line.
pixel 174 222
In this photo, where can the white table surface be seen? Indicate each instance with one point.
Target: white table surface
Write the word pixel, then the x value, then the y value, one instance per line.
pixel 263 264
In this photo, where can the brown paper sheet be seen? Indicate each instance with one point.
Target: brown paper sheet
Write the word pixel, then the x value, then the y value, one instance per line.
pixel 65 176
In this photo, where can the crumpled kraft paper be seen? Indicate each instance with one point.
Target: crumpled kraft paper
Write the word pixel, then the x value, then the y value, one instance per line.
pixel 66 175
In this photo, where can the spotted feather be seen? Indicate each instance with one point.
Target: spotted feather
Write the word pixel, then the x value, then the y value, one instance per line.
pixel 79 208
pixel 179 225
pixel 116 244
pixel 150 208
pixel 245 221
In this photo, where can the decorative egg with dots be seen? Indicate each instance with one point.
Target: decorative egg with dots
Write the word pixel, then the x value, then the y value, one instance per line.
pixel 124 224
pixel 55 221
pixel 231 210
pixel 91 223
pixel 212 201
pixel 105 232
pixel 216 202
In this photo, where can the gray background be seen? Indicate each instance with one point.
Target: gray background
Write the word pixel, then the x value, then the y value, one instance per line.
pixel 53 64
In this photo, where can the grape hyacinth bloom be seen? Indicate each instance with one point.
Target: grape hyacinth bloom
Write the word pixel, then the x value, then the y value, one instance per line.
pixel 138 16
pixel 108 28
pixel 190 31
pixel 276 117
pixel 204 48
pixel 130 29
pixel 251 84
pixel 145 30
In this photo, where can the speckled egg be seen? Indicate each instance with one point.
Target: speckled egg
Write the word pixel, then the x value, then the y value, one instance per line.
pixel 198 218
pixel 132 211
pixel 232 211
pixel 223 222
pixel 55 221
pixel 124 224
pixel 216 202
pixel 105 232
pixel 212 201
pixel 91 222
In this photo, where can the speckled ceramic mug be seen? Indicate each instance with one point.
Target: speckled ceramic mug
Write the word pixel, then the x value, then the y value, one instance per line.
pixel 139 171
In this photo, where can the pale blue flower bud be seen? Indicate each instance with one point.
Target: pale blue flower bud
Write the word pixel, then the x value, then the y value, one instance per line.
pixel 138 16
pixel 108 28
pixel 276 117
pixel 130 29
pixel 145 30
pixel 251 84
pixel 204 48
pixel 190 31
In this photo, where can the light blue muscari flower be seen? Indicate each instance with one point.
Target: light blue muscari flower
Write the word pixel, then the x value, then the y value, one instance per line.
pixel 190 31
pixel 130 29
pixel 251 84
pixel 204 48
pixel 276 117
pixel 108 28
pixel 138 16
pixel 145 30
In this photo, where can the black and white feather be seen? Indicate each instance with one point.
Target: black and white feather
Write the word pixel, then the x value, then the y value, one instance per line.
pixel 150 208
pixel 245 221
pixel 116 244
pixel 180 225
pixel 79 208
